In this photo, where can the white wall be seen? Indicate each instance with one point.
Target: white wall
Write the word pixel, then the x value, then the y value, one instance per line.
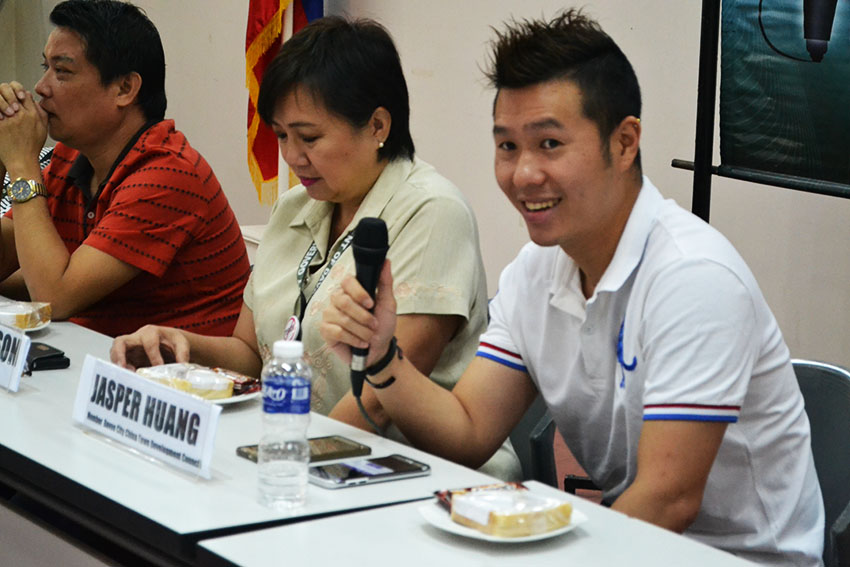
pixel 24 27
pixel 7 31
pixel 795 243
pixel 451 102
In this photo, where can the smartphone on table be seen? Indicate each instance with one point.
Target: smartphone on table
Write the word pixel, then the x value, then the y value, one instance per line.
pixel 321 449
pixel 366 471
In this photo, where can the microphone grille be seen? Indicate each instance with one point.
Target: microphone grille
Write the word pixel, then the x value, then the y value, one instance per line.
pixel 371 232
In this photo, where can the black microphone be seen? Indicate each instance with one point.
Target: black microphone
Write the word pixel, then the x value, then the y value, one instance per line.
pixel 818 17
pixel 370 247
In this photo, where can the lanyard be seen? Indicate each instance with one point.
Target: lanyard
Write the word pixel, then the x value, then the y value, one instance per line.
pixel 301 274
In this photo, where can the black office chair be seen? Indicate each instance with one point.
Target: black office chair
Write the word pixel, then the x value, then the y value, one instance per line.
pixel 826 392
pixel 532 439
pixel 541 457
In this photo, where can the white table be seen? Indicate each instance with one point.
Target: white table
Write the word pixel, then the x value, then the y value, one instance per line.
pixel 144 506
pixel 398 536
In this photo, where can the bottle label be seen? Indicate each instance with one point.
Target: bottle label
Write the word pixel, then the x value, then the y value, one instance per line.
pixel 290 394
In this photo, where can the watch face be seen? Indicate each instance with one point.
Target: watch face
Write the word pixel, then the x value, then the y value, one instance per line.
pixel 20 190
pixel 25 189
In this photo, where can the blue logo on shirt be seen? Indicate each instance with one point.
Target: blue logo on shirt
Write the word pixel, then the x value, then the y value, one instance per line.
pixel 623 366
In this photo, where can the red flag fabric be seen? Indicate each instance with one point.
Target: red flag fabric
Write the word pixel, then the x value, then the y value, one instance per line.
pixel 262 42
pixel 267 28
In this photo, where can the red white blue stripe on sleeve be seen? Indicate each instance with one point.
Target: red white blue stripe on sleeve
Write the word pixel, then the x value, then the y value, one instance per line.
pixel 691 412
pixel 502 356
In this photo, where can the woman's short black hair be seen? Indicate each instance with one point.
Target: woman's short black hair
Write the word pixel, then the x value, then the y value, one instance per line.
pixel 352 67
pixel 119 39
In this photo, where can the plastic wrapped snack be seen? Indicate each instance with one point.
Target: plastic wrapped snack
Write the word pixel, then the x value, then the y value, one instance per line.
pixel 444 497
pixel 24 314
pixel 510 513
pixel 241 384
pixel 198 380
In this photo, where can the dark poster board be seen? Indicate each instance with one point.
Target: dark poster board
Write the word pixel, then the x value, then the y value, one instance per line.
pixel 784 102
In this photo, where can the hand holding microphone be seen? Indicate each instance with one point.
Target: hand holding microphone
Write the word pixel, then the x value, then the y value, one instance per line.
pixel 370 247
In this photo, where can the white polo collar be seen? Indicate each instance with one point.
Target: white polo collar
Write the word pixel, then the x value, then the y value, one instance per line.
pixel 565 290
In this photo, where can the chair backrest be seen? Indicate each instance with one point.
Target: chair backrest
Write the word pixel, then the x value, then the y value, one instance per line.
pixel 826 392
pixel 532 440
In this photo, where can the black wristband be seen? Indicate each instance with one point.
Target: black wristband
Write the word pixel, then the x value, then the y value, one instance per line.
pixel 379 366
pixel 380 386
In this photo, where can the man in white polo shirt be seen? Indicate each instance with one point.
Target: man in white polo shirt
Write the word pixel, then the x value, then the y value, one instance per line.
pixel 640 325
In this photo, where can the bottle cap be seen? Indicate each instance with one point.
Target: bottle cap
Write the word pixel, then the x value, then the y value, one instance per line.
pixel 288 349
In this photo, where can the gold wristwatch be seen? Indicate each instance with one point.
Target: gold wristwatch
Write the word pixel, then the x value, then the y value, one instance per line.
pixel 22 190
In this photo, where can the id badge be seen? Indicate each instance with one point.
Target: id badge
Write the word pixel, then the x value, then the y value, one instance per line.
pixel 292 329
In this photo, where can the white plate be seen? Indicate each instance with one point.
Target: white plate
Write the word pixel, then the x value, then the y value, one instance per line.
pixel 38 327
pixel 237 399
pixel 438 517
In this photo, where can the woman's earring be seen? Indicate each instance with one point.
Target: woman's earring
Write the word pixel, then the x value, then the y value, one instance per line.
pixel 380 145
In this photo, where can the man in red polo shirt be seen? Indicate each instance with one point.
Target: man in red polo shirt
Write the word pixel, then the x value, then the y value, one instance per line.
pixel 128 225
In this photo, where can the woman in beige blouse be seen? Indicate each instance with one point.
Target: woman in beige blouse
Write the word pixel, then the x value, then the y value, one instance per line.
pixel 336 97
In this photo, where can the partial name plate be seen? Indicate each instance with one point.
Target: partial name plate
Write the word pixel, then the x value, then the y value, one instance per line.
pixel 174 427
pixel 14 347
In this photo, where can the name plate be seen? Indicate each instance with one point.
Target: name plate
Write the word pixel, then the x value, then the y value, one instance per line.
pixel 175 427
pixel 14 347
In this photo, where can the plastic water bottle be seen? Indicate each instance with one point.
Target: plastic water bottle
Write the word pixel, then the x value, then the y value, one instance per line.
pixel 284 452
